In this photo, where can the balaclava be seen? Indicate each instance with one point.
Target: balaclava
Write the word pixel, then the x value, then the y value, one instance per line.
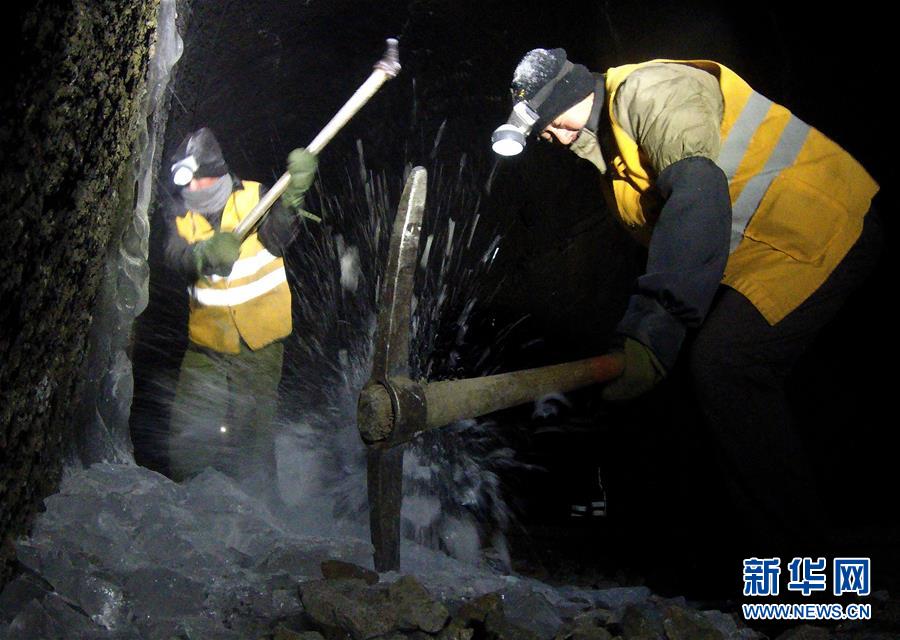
pixel 211 199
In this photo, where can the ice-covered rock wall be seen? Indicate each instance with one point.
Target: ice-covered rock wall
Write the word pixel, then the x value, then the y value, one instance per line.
pixel 69 129
pixel 105 402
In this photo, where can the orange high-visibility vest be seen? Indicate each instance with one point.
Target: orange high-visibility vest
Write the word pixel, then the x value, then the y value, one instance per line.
pixel 253 302
pixel 798 199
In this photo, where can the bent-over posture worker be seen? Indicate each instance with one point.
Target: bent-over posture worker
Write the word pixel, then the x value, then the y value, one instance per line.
pixel 240 308
pixel 757 230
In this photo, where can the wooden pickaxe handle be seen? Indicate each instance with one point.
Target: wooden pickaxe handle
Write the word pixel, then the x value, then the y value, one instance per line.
pixel 396 410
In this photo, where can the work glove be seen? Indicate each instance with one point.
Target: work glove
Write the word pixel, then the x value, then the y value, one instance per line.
pixel 217 254
pixel 642 372
pixel 302 166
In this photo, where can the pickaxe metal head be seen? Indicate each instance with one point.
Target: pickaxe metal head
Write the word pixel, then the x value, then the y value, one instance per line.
pixel 384 464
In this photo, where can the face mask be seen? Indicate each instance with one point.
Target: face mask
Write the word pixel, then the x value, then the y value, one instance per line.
pixel 587 147
pixel 212 199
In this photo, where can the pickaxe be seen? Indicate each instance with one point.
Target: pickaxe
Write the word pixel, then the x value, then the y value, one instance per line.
pixel 393 408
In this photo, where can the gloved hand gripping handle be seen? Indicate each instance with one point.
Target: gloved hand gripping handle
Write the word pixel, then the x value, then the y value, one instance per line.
pixel 385 69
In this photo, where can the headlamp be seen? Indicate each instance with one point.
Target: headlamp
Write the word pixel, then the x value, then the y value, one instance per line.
pixel 509 139
pixel 183 170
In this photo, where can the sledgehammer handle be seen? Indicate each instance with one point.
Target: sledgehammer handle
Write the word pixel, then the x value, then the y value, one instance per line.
pixel 385 69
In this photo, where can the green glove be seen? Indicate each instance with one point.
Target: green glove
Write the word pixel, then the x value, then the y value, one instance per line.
pixel 218 254
pixel 302 166
pixel 642 372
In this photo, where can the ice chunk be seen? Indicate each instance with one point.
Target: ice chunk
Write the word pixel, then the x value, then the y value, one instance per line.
pixel 350 265
pixel 50 618
pixel 20 591
pixel 159 592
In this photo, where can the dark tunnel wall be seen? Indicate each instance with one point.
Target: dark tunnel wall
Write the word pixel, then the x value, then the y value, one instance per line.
pixel 67 133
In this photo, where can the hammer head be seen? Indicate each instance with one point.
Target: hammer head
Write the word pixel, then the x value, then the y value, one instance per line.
pixel 390 61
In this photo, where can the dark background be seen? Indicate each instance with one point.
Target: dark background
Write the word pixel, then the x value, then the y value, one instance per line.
pixel 266 76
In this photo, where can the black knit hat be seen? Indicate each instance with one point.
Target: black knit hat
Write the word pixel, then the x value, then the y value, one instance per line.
pixel 202 144
pixel 550 83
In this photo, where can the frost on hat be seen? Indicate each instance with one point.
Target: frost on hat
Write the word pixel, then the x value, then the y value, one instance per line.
pixel 536 69
pixel 541 66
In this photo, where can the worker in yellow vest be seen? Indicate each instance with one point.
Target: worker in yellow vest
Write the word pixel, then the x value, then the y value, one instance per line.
pixel 240 308
pixel 757 228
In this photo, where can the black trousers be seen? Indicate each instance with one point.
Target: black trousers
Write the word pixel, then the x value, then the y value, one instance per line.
pixel 739 365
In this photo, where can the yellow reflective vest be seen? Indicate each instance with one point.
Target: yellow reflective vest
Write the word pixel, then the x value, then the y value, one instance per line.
pixel 253 302
pixel 798 199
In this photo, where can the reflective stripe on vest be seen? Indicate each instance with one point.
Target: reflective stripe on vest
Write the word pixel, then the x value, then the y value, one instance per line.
pixel 806 195
pixel 246 266
pixel 234 296
pixel 735 146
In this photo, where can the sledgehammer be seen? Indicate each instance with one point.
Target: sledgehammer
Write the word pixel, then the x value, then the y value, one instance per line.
pixel 393 408
pixel 385 69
